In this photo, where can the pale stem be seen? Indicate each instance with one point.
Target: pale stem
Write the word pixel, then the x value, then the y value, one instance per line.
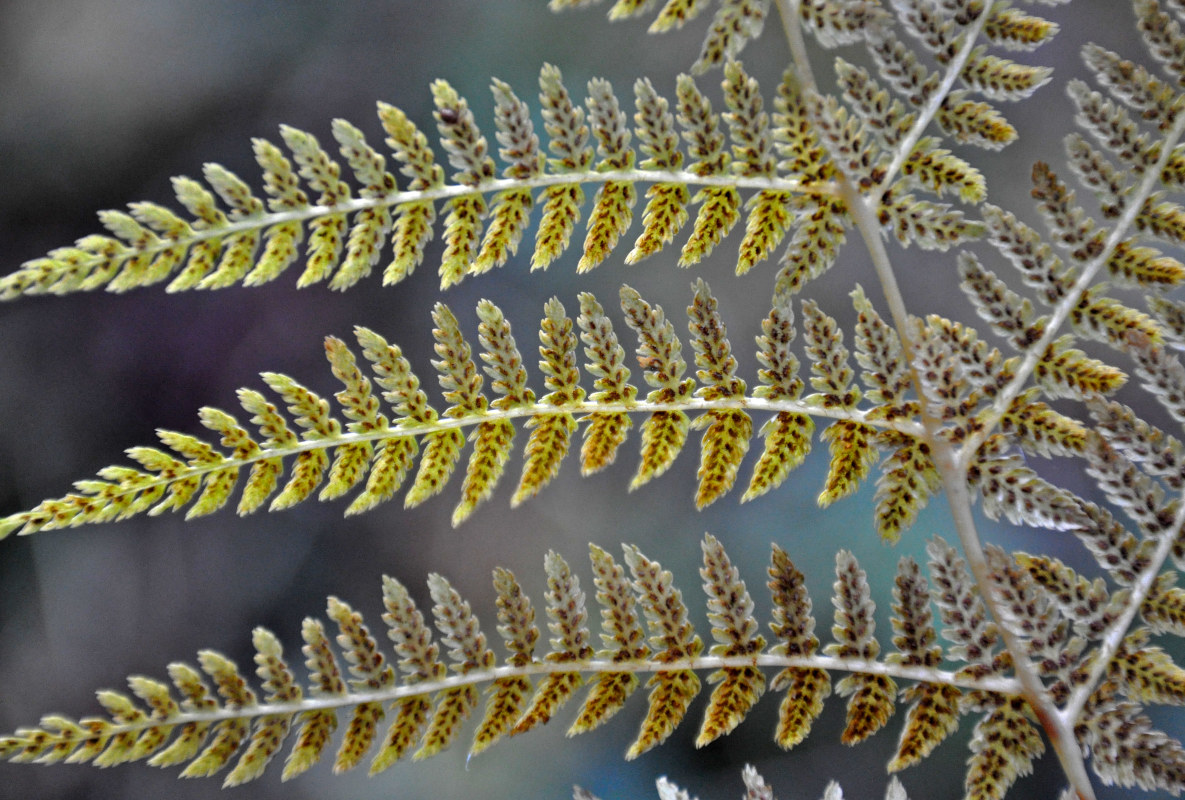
pixel 1135 203
pixel 788 12
pixel 1113 638
pixel 953 473
pixel 481 676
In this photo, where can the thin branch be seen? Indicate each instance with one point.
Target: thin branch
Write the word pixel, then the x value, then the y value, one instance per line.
pixel 1061 313
pixel 788 11
pixel 1113 638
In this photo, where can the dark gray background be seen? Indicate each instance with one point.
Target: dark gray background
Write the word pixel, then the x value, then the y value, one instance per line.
pixel 100 103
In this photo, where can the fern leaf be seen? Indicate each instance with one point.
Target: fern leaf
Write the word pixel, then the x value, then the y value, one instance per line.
pixel 1068 372
pixel 885 119
pixel 1141 498
pixel 931 226
pixel 1147 673
pixel 735 631
pixel 550 434
pixel 419 661
pixel 228 735
pixel 1129 750
pixel 1164 608
pixel 565 608
pixel 271 730
pixel 666 207
pixel 815 242
pixel 1108 320
pixel 1004 746
pixel 967 622
pixel 934 711
pixel 974 122
pixel 1039 266
pixel 735 24
pixel 664 432
pixel 941 171
pixel 1014 29
pixel 1144 266
pixel 1001 78
pixel 753 156
pixel 1043 431
pixel 1084 602
pixel 507 696
pixel 1132 84
pixel 787 435
pixel 879 353
pixel 870 701
pixel 623 638
pixel 312 414
pixel 468 651
pixel 719 205
pixel 906 483
pixel 806 688
pixel 613 209
pixel 371 225
pixel 726 438
pixel 672 638
pixel 1010 487
pixel 605 432
pixel 834 25
pixel 370 670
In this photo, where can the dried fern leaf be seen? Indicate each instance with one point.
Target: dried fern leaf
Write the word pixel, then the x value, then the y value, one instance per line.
pixel 660 352
pixel 794 625
pixel 787 435
pixel 871 697
pixel 507 696
pixel 623 638
pixel 565 608
pixel 730 611
pixel 672 639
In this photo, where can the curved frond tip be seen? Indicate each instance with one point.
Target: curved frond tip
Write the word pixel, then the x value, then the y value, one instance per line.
pixel 209 718
pixel 345 214
pixel 381 434
pixel 365 441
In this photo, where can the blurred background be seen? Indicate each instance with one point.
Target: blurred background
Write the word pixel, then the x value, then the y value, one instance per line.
pixel 102 101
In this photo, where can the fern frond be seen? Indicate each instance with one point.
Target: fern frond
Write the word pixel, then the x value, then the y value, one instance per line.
pixel 871 697
pixel 806 688
pixel 341 214
pixel 355 444
pixel 236 726
pixel 673 639
pixel 934 710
